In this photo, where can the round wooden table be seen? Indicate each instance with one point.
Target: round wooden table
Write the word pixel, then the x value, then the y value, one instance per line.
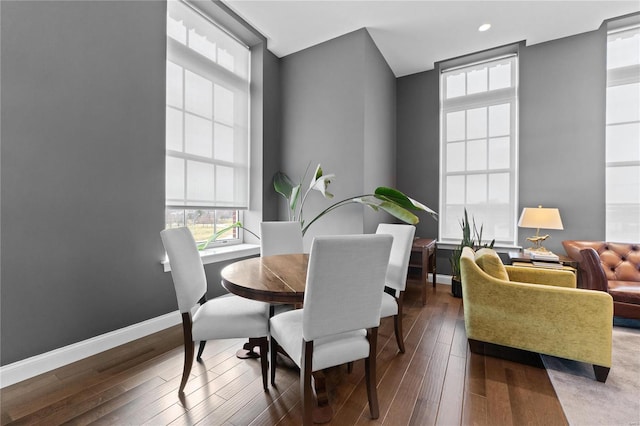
pixel 272 279
pixel 278 279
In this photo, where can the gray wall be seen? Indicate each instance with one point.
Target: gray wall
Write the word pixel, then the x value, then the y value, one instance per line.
pixel 562 128
pixel 418 151
pixel 379 137
pixel 272 152
pixel 338 102
pixel 82 171
pixel 562 134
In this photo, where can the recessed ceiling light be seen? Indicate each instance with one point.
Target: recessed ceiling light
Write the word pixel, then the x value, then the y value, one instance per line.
pixel 484 27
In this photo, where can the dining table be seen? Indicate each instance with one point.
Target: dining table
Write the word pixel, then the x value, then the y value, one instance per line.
pixel 277 279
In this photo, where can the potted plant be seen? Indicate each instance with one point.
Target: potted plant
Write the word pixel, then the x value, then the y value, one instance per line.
pixel 469 239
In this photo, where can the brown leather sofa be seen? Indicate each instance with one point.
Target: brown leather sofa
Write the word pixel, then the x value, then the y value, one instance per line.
pixel 617 272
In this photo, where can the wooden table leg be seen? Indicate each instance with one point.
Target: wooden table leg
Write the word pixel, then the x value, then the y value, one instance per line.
pixel 248 350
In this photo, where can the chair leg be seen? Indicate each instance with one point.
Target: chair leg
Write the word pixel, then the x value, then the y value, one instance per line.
pixel 188 350
pixel 601 373
pixel 200 350
pixel 397 323
pixel 263 344
pixel 264 362
pixel 370 373
pixel 273 352
pixel 306 391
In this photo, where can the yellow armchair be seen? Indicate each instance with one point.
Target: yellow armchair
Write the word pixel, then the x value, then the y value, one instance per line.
pixel 537 310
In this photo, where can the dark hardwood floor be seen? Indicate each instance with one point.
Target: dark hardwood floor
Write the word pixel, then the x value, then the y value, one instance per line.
pixel 437 381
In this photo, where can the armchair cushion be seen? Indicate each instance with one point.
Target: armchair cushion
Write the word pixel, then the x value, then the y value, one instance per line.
pixel 489 261
pixel 541 276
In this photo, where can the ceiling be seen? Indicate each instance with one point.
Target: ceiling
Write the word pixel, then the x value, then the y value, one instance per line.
pixel 412 35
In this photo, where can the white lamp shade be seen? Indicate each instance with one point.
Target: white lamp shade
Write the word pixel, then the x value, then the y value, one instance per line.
pixel 539 217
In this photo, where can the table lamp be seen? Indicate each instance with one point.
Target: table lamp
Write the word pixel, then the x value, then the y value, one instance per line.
pixel 547 218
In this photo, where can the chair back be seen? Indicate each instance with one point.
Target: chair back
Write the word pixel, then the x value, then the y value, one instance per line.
pixel 280 238
pixel 187 270
pixel 400 253
pixel 345 280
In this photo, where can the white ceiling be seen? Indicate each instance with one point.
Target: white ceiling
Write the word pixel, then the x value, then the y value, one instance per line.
pixel 412 35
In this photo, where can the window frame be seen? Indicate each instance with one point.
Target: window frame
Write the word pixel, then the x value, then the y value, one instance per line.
pixel 468 102
pixel 617 77
pixel 195 62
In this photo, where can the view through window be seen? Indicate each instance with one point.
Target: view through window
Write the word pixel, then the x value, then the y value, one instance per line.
pixel 207 124
pixel 478 160
pixel 623 136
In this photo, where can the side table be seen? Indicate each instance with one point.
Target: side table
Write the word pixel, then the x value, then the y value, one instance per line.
pixel 423 261
pixel 519 256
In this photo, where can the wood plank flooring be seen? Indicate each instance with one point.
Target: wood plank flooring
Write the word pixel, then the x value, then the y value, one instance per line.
pixel 437 381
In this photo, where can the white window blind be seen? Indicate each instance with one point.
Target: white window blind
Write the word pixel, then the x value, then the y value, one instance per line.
pixel 623 136
pixel 478 155
pixel 207 115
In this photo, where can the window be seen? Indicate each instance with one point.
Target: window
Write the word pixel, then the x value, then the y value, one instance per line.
pixel 623 134
pixel 207 119
pixel 478 149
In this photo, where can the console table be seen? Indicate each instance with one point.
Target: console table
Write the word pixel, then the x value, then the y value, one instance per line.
pixel 423 261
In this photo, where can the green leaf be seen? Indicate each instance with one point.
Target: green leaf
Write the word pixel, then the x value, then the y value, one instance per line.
pixel 295 195
pixel 282 184
pixel 394 209
pixel 397 197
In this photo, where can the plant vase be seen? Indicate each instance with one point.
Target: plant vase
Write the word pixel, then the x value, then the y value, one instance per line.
pixel 456 287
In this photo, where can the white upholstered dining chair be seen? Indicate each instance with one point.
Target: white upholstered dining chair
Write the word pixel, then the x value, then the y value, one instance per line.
pixel 280 238
pixel 220 318
pixel 396 280
pixel 339 321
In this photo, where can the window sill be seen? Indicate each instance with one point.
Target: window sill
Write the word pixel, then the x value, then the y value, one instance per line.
pixel 221 254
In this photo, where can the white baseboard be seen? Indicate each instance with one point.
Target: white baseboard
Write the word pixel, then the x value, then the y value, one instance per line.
pixel 31 367
pixel 440 279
